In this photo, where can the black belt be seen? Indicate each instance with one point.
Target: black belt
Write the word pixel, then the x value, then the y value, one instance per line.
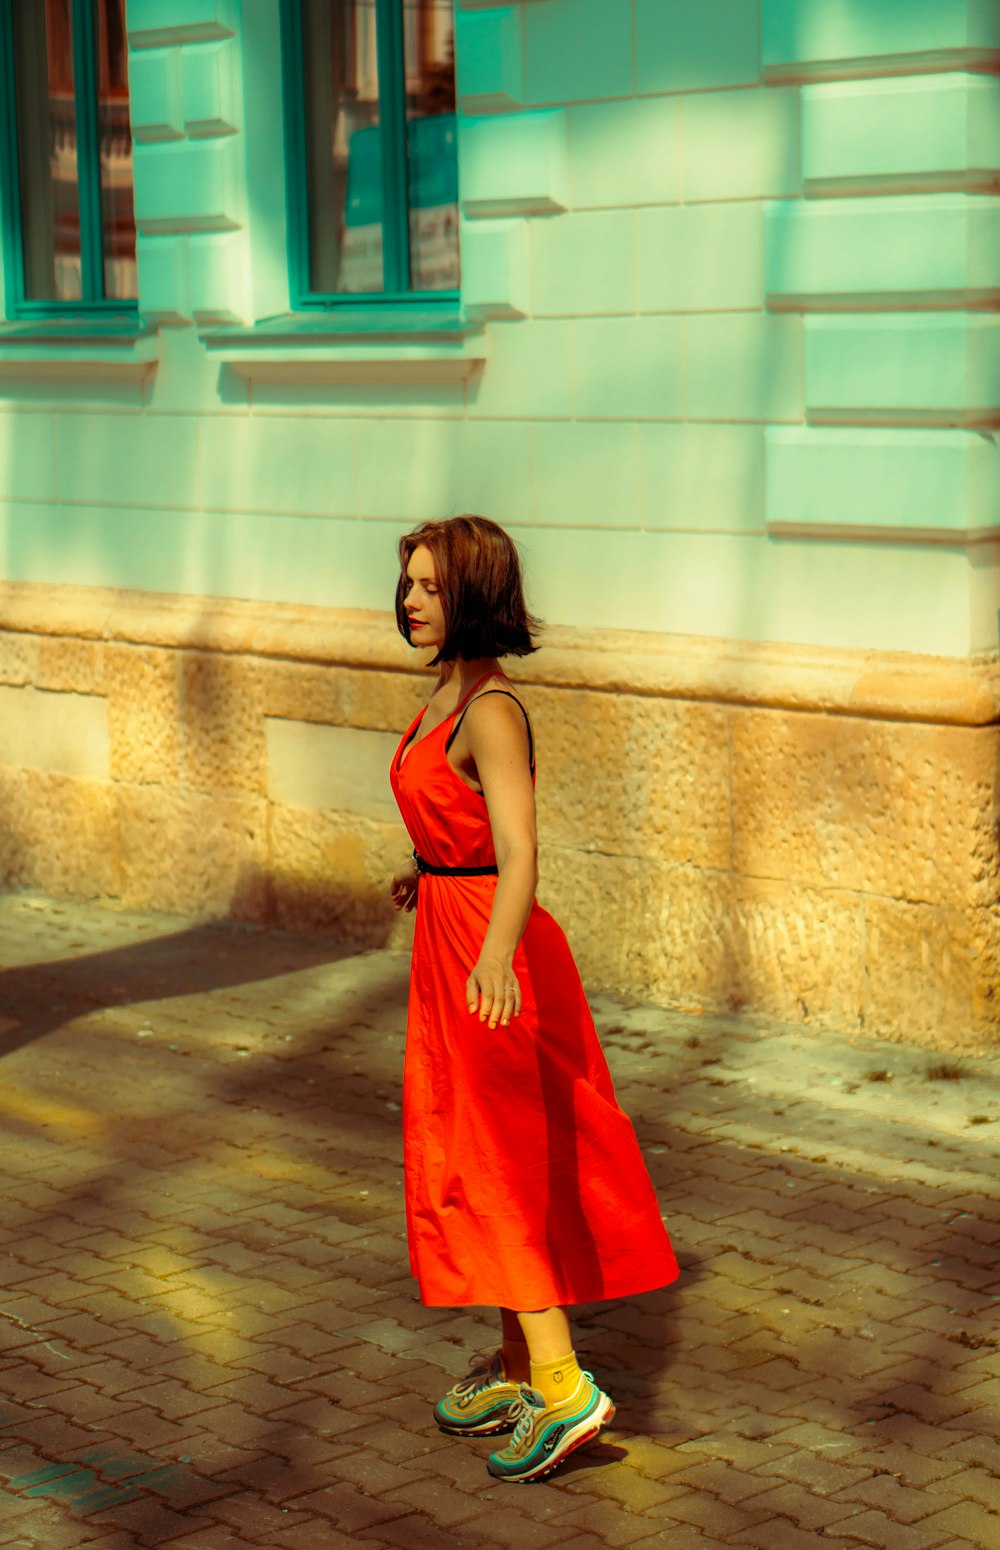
pixel 454 871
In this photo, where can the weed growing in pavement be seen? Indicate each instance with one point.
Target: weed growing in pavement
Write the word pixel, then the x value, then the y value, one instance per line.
pixel 944 1072
pixel 974 1343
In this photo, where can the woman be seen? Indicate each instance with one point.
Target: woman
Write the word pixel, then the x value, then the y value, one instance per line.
pixel 525 1188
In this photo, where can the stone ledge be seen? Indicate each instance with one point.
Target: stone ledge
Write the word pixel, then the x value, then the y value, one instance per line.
pixel 890 686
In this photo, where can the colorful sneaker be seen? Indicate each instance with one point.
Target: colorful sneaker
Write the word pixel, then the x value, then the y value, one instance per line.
pixel 544 1437
pixel 481 1403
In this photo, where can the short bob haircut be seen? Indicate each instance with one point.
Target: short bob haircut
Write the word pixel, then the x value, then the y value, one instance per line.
pixel 482 594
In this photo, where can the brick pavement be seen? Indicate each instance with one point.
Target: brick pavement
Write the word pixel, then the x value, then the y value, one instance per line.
pixel 210 1339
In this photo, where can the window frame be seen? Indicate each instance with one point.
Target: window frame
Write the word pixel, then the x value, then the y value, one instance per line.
pixel 389 25
pixel 92 301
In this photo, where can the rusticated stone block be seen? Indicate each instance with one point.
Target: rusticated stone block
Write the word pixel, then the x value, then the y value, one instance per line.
pixel 795 953
pixel 986 989
pixel 331 872
pixel 878 806
pixel 590 896
pixel 332 769
pixel 223 746
pixel 68 664
pixel 58 833
pixel 931 973
pixel 339 696
pixel 18 658
pixel 15 833
pixel 684 936
pixel 143 705
pixel 633 776
pixel 42 729
pixel 712 940
pixel 386 702
pixel 303 691
pixel 192 852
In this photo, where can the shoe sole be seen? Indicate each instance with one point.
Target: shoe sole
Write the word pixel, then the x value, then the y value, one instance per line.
pixel 493 1429
pixel 586 1431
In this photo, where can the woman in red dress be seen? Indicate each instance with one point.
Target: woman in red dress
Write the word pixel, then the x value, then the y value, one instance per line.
pixel 525 1187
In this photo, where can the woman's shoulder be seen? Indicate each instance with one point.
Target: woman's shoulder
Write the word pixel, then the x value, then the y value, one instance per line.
pixel 503 690
pixel 503 717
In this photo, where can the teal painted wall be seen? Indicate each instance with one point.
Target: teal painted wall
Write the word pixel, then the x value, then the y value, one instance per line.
pixel 733 273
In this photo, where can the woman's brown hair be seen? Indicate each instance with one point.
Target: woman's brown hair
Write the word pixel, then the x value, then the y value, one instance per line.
pixel 482 593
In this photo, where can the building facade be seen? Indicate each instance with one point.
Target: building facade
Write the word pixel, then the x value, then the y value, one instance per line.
pixel 699 301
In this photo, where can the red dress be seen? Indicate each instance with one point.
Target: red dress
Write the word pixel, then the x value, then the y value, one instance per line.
pixel 525 1187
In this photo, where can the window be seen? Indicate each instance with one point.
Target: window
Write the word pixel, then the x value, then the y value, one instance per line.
pixel 68 224
pixel 372 166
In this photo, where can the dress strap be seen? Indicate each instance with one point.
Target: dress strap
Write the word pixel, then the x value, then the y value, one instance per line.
pixel 460 707
pixel 524 713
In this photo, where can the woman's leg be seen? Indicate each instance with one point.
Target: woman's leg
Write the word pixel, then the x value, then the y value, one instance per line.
pixel 567 1410
pixel 514 1350
pixel 555 1371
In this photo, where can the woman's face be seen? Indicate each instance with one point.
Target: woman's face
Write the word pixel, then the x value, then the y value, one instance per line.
pixel 422 599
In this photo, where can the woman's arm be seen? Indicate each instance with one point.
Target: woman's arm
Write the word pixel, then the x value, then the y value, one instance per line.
pixel 498 742
pixel 404 886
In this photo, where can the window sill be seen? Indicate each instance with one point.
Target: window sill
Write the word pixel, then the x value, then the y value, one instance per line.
pixel 363 345
pixel 77 349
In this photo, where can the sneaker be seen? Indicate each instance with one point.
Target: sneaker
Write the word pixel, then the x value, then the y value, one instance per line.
pixel 481 1403
pixel 544 1437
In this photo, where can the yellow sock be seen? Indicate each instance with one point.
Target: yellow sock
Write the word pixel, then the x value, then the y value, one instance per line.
pixel 556 1381
pixel 516 1363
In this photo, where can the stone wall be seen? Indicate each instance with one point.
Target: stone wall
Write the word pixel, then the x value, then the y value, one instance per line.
pixel 807 835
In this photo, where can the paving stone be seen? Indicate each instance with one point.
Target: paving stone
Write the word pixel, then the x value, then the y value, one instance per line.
pixel 721 1480
pixel 210 1536
pixel 715 1518
pixel 632 1490
pixel 110 1541
pixel 820 1439
pixel 878 1529
pixel 148 1521
pixel 901 1502
pixel 968 1521
pixel 442 1502
pixel 783 1534
pixel 639 1536
pixel 809 1511
pixel 143 1428
pixel 913 1470
pixel 255 1519
pixel 600 1529
pixel 396 1443
pixel 973 1485
pixel 819 1474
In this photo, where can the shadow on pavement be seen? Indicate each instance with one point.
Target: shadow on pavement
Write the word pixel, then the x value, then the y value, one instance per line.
pixel 41 997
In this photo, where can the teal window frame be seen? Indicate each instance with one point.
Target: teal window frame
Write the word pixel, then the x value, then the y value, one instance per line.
pixel 92 300
pixel 396 293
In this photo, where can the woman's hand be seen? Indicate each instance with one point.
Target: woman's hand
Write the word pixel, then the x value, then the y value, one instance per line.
pixel 493 987
pixel 404 887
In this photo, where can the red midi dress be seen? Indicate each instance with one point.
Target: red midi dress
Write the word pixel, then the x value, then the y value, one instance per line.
pixel 525 1187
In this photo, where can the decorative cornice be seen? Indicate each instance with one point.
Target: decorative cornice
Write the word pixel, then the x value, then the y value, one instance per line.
pixel 890 686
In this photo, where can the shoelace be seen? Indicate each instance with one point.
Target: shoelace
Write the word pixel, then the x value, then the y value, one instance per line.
pixel 525 1408
pixel 485 1367
pixel 522 1412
